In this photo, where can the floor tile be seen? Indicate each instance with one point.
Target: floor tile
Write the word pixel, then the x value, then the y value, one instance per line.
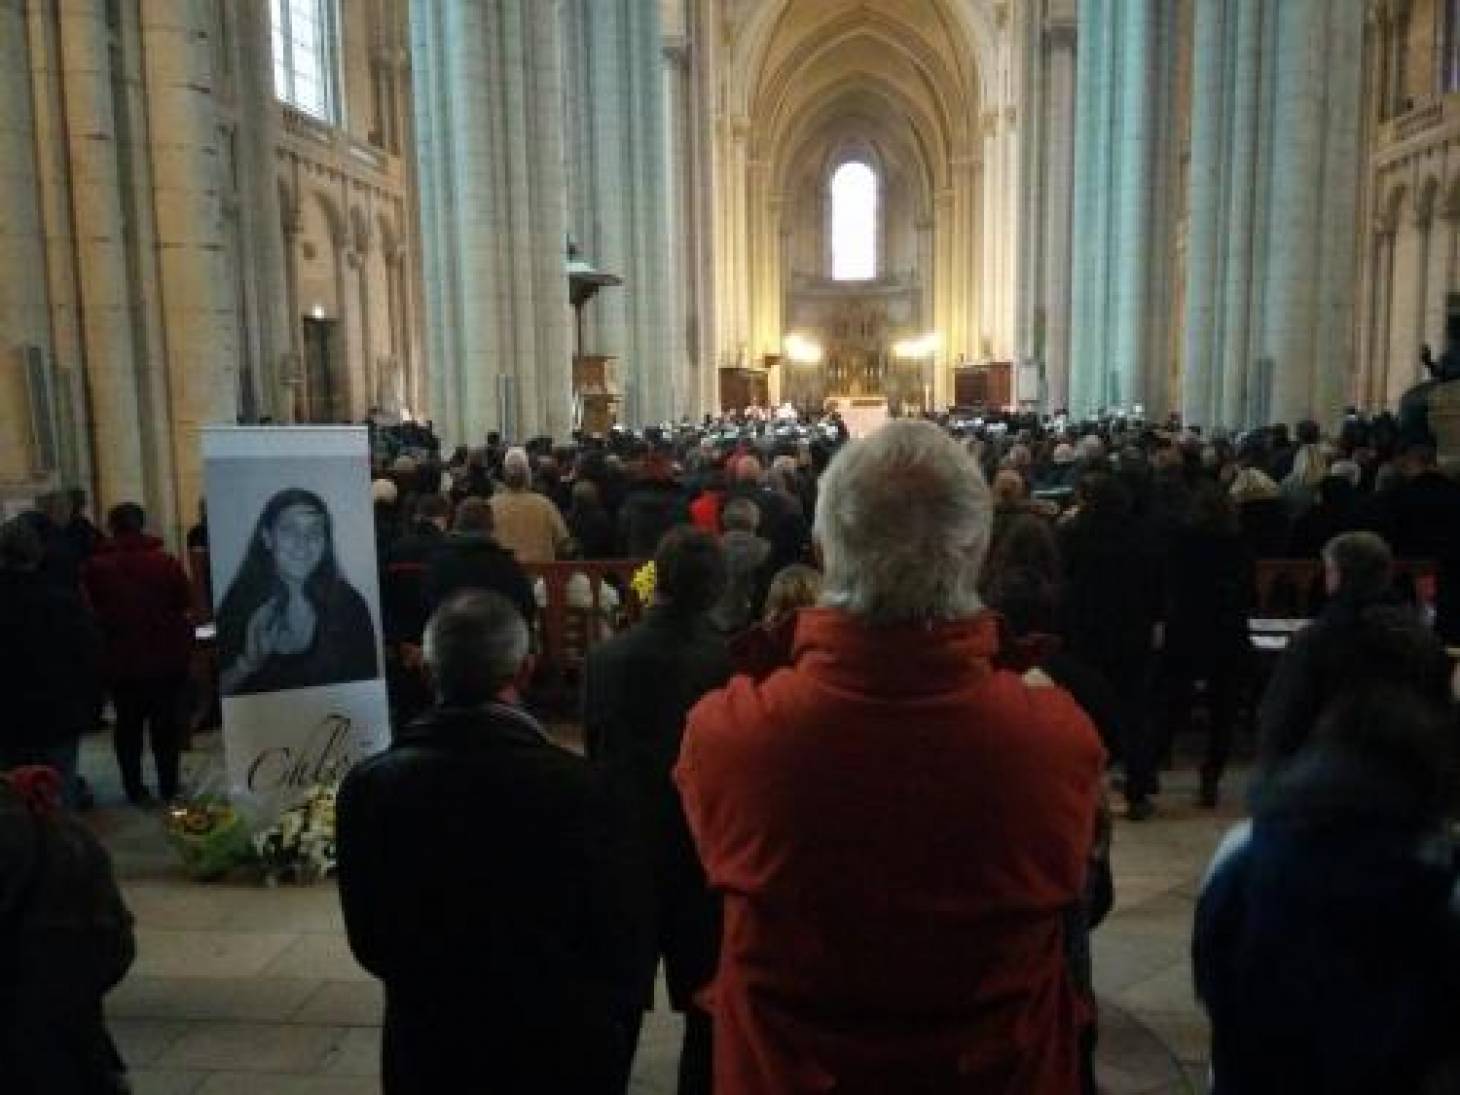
pixel 254 1047
pixel 345 1003
pixel 167 952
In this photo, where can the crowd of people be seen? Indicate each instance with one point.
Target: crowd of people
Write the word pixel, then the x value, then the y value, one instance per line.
pixel 861 819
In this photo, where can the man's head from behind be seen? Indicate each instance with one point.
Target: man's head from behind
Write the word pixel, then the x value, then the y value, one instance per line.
pixel 127 519
pixel 1358 564
pixel 689 571
pixel 517 469
pixel 473 518
pixel 477 649
pixel 740 515
pixel 903 525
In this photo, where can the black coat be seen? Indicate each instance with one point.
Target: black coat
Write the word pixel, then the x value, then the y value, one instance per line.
pixel 649 510
pixel 65 939
pixel 482 882
pixel 1350 645
pixel 1112 597
pixel 637 690
pixel 50 663
pixel 478 562
pixel 1209 592
pixel 1327 946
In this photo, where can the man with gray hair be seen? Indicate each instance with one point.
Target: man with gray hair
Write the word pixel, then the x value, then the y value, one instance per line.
pixel 480 881
pixel 1363 636
pixel 895 824
pixel 527 523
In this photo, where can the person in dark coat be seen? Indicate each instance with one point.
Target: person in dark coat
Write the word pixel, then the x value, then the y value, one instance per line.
pixel 142 599
pixel 470 558
pixel 1209 591
pixel 481 879
pixel 637 690
pixel 1326 947
pixel 1111 602
pixel 50 663
pixel 654 505
pixel 1336 512
pixel 589 523
pixel 747 568
pixel 65 939
pixel 1360 638
pixel 1422 521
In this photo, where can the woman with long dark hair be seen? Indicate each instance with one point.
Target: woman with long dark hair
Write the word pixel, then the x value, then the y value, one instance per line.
pixel 290 619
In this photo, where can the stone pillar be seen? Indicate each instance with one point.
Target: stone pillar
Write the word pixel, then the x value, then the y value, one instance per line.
pixel 1134 199
pixel 1237 288
pixel 1085 343
pixel 275 328
pixel 53 178
pixel 1060 43
pixel 292 391
pixel 106 319
pixel 24 317
pixel 1203 333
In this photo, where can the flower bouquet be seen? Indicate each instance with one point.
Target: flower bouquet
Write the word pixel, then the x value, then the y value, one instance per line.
pixel 209 835
pixel 644 581
pixel 301 844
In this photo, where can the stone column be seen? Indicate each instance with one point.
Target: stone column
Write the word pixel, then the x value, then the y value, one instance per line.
pixel 276 328
pixel 342 367
pixel 1236 285
pixel 1135 198
pixel 369 355
pixel 1203 332
pixel 1085 343
pixel 24 319
pixel 291 397
pixel 106 319
pixel 1060 43
pixel 198 305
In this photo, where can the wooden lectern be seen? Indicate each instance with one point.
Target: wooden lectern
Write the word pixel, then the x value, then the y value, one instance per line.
pixel 596 389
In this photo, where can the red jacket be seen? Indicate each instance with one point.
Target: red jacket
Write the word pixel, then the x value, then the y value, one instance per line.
pixel 895 826
pixel 704 511
pixel 141 597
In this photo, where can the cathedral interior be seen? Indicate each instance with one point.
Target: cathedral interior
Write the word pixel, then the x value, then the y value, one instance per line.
pixel 1229 213
pixel 1236 211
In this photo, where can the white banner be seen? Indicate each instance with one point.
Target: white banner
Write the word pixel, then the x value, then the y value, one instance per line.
pixel 291 535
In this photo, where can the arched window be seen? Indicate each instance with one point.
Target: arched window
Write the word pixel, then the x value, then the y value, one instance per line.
pixel 853 222
pixel 304 38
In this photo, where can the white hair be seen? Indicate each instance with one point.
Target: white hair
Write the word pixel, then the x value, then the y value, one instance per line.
pixel 517 467
pixel 903 522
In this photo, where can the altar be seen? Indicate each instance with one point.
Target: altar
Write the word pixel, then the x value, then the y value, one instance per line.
pixel 863 414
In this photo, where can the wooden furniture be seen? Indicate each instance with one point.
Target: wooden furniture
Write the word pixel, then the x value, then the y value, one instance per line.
pixel 983 386
pixel 741 388
pixel 596 388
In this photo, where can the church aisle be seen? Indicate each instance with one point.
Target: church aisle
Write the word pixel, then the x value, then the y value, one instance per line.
pixel 244 989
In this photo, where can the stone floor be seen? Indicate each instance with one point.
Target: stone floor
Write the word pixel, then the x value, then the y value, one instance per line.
pixel 238 988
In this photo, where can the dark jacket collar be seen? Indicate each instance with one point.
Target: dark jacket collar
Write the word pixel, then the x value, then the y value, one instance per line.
pixel 466 727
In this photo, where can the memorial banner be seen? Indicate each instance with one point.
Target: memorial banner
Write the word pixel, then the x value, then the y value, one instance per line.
pixel 291 535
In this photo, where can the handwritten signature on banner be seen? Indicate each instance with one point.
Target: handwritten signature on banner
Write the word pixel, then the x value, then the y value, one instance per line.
pixel 324 757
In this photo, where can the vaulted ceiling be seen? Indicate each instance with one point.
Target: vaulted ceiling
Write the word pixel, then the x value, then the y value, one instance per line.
pixel 905 75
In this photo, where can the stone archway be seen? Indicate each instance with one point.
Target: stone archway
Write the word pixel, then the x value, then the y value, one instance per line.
pixel 904 79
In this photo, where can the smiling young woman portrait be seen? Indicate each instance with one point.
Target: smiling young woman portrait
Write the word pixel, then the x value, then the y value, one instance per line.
pixel 290 618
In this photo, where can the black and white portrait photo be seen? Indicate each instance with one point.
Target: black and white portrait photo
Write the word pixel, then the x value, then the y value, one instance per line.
pixel 290 618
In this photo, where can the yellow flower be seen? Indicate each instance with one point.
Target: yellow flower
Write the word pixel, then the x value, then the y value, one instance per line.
pixel 644 581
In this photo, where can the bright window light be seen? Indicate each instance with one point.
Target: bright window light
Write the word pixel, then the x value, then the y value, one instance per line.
pixel 854 222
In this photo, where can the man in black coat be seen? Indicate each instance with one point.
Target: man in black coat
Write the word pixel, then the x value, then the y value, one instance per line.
pixel 470 558
pixel 1361 638
pixel 637 690
pixel 481 880
pixel 50 662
